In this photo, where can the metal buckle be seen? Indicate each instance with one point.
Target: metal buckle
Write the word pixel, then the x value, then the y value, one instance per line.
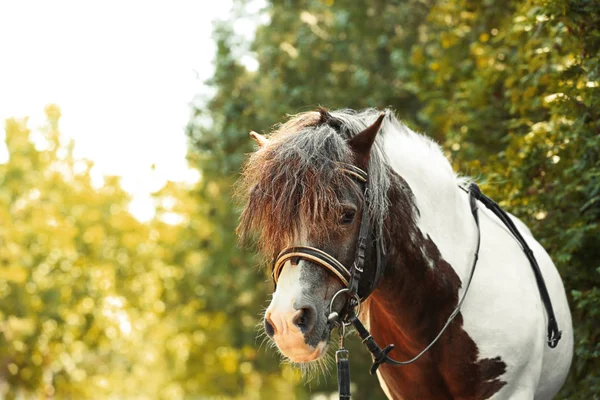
pixel 553 341
pixel 355 267
pixel 341 354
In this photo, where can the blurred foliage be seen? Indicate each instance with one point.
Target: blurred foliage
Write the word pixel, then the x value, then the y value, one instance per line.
pixel 518 96
pixel 94 303
pixel 511 89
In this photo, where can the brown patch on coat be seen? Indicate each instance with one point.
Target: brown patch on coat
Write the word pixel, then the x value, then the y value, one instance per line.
pixel 410 307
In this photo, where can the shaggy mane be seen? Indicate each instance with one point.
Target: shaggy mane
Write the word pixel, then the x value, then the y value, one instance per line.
pixel 292 185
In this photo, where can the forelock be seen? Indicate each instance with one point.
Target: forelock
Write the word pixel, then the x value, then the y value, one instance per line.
pixel 296 179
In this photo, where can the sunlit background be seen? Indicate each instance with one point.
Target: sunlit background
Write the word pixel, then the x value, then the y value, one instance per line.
pixel 124 128
pixel 124 75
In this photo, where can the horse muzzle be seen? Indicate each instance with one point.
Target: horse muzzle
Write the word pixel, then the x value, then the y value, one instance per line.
pixel 290 330
pixel 296 318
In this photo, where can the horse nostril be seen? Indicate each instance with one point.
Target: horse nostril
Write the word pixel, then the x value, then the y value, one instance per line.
pixel 300 320
pixel 269 327
pixel 305 319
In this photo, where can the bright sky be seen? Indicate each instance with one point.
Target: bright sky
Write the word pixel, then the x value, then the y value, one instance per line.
pixel 123 74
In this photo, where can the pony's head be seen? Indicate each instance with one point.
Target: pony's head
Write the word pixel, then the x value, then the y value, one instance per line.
pixel 297 195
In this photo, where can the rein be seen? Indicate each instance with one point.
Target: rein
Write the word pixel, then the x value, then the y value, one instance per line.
pixel 351 279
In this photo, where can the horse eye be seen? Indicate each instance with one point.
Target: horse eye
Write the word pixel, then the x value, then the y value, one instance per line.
pixel 347 217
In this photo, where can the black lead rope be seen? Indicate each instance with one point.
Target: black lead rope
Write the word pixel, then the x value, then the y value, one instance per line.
pixel 343 367
pixel 381 356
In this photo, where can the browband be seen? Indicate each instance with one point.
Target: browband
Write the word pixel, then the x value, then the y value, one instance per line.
pixel 354 171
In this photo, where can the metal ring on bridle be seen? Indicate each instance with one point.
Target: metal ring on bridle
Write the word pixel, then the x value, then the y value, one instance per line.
pixel 344 290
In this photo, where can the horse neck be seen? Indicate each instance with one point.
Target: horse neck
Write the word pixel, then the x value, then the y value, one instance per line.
pixel 444 211
pixel 427 257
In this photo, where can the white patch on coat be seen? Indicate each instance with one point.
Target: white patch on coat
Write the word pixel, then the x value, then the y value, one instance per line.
pixel 503 309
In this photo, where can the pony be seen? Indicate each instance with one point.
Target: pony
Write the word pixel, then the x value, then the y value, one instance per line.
pixel 296 194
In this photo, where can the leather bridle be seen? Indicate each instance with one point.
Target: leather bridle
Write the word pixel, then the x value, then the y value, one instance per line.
pixel 350 278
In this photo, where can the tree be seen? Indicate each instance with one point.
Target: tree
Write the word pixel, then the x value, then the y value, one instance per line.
pixel 517 88
pixel 509 88
pixel 94 303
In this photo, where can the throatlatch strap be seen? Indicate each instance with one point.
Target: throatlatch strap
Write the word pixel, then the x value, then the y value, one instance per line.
pixel 554 334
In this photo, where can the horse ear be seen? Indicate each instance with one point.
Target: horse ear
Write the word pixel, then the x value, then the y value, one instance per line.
pixel 361 143
pixel 259 139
